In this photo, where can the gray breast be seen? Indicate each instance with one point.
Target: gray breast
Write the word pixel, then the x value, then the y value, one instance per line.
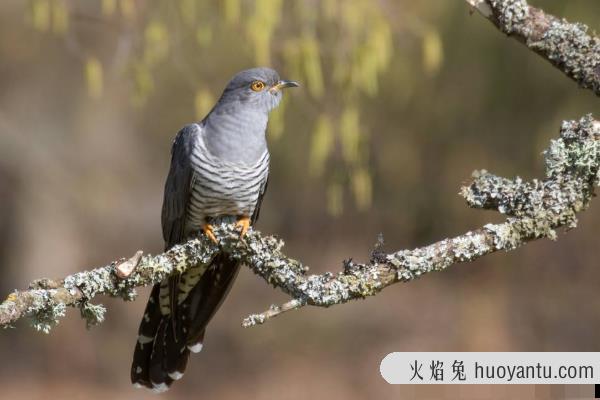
pixel 222 187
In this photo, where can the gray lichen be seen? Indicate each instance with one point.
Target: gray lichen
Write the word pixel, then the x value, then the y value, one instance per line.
pixel 254 319
pixel 46 300
pixel 48 316
pixel 511 14
pixel 571 48
pixel 535 210
pixel 568 46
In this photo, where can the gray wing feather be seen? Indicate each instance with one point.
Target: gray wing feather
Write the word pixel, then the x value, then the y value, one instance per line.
pixel 178 186
pixel 177 195
pixel 261 195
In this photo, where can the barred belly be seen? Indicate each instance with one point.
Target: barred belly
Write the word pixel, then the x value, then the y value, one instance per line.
pixel 220 188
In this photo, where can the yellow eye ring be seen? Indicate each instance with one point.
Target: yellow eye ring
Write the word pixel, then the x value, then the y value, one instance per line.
pixel 257 86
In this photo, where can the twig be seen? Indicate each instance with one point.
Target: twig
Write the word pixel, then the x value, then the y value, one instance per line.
pixel 272 312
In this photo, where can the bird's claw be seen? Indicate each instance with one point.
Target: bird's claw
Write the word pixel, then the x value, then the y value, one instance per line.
pixel 243 224
pixel 208 230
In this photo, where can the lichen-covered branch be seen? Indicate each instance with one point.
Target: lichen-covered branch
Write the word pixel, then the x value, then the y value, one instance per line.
pixel 535 210
pixel 46 300
pixel 568 46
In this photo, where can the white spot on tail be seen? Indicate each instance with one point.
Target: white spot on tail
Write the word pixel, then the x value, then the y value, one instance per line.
pixel 197 348
pixel 138 370
pixel 159 388
pixel 142 340
pixel 176 375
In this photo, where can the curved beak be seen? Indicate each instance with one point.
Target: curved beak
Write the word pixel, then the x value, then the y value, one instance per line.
pixel 282 84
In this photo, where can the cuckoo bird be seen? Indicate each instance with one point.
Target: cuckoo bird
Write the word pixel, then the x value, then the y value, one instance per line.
pixel 219 167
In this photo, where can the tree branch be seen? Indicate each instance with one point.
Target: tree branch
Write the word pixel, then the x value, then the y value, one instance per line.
pixel 534 209
pixel 566 45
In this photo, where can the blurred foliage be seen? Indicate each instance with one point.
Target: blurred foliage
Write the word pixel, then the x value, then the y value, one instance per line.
pixel 81 181
pixel 40 15
pixel 432 51
pixel 338 49
pixel 203 102
pixel 93 77
pixel 321 144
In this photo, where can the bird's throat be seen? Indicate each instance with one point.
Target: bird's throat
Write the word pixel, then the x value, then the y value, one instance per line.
pixel 237 137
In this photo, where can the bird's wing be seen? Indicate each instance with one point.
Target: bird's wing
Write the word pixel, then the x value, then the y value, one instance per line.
pixel 175 203
pixel 178 186
pixel 261 195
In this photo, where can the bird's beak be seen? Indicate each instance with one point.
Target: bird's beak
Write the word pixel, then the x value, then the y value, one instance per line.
pixel 282 85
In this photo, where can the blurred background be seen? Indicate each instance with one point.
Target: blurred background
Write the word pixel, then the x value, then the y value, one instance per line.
pixel 401 101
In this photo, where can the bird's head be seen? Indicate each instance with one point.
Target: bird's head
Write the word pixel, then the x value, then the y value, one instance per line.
pixel 258 88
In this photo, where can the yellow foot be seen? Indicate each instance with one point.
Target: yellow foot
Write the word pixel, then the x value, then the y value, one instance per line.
pixel 208 231
pixel 243 224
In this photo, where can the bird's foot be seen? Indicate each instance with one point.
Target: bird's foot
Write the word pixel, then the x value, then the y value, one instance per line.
pixel 209 231
pixel 243 223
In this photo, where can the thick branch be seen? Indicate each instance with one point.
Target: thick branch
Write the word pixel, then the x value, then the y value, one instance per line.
pixel 535 210
pixel 566 45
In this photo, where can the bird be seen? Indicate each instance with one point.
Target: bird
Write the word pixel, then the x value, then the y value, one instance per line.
pixel 219 168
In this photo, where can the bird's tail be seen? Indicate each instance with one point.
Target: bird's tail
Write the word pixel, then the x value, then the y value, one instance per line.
pixel 175 320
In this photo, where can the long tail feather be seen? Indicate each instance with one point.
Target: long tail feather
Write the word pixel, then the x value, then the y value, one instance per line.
pixel 167 337
pixel 140 374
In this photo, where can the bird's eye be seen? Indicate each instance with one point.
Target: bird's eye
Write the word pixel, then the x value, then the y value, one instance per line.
pixel 257 86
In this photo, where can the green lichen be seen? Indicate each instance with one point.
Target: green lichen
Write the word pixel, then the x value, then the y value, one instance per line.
pixel 47 317
pixel 539 207
pixel 92 313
